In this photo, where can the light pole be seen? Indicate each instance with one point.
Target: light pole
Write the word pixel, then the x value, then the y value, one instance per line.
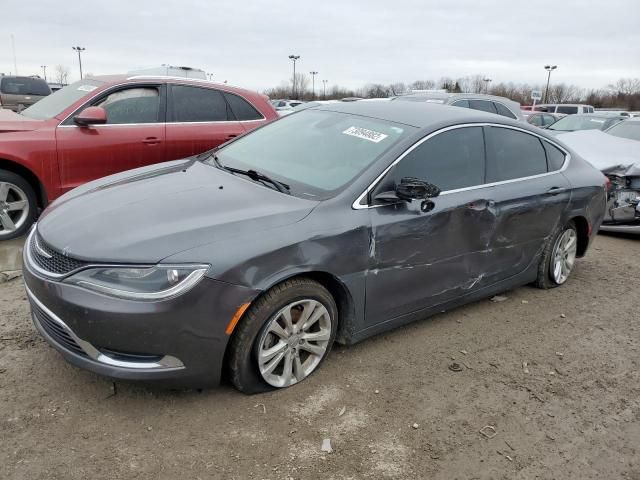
pixel 486 81
pixel 44 71
pixel 313 85
pixel 210 76
pixel 324 89
pixel 549 69
pixel 294 58
pixel 79 50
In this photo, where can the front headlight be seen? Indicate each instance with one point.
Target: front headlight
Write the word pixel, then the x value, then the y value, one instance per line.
pixel 140 283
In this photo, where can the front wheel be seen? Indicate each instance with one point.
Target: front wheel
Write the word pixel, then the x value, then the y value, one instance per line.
pixel 558 257
pixel 283 337
pixel 18 205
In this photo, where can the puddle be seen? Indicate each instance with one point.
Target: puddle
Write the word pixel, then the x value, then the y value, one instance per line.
pixel 11 254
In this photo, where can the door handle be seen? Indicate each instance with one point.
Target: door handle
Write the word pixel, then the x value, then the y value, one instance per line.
pixel 556 190
pixel 151 140
pixel 479 205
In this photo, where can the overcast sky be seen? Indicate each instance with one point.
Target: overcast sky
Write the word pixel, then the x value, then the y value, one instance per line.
pixel 350 43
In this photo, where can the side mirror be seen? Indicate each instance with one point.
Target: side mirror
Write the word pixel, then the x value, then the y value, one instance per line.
pixel 411 188
pixel 91 116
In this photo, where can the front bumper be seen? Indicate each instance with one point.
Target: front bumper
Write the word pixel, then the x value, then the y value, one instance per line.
pixel 176 343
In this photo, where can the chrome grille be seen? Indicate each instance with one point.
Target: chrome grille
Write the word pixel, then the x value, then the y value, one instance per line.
pixel 56 331
pixel 49 260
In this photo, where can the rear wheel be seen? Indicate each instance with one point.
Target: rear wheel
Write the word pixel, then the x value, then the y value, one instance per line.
pixel 18 205
pixel 283 337
pixel 558 257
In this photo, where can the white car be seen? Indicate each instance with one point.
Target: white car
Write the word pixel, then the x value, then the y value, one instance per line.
pixel 285 107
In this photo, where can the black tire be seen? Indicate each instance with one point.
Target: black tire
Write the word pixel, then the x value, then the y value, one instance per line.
pixel 242 359
pixel 14 179
pixel 545 278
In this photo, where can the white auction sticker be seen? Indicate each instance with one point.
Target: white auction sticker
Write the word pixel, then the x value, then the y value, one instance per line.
pixel 365 134
pixel 86 88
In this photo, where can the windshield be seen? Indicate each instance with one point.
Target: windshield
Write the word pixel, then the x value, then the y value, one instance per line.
pixel 576 122
pixel 57 102
pixel 24 86
pixel 315 152
pixel 627 129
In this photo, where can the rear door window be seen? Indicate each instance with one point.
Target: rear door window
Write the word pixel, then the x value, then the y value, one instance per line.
pixel 504 111
pixel 242 109
pixel 513 154
pixel 482 105
pixel 196 104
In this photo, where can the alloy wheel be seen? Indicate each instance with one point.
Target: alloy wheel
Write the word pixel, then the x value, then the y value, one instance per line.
pixel 14 208
pixel 564 256
pixel 294 342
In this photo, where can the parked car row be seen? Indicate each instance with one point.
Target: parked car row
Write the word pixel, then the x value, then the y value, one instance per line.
pixel 104 125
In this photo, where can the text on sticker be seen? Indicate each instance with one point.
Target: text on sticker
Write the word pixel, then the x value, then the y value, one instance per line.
pixel 365 133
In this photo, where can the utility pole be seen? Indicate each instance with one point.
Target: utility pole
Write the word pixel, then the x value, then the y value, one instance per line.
pixel 294 58
pixel 324 89
pixel 486 81
pixel 13 48
pixel 44 71
pixel 313 85
pixel 79 50
pixel 549 69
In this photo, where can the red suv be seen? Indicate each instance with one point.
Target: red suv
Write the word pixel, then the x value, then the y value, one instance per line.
pixel 104 125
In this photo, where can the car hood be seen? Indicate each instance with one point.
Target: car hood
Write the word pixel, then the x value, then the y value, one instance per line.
pixel 613 155
pixel 14 122
pixel 146 215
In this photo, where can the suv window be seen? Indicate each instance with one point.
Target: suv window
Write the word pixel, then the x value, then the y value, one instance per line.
pixel 555 157
pixel 242 109
pixel 513 154
pixel 195 104
pixel 24 86
pixel 483 105
pixel 566 109
pixel 450 160
pixel 504 111
pixel 132 105
pixel 461 103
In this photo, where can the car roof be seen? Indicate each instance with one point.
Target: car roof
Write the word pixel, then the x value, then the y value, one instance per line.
pixel 420 115
pixel 121 78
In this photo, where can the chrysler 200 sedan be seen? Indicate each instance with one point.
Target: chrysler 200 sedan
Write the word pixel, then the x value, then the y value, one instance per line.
pixel 331 224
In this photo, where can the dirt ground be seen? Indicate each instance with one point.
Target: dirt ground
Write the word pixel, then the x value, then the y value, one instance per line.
pixel 572 413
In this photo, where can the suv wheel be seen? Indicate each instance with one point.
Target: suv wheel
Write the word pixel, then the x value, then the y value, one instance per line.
pixel 17 205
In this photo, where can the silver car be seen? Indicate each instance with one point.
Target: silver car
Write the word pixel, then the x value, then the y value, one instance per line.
pixel 475 101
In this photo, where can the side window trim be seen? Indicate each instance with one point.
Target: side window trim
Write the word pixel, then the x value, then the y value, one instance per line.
pixel 363 197
pixel 162 110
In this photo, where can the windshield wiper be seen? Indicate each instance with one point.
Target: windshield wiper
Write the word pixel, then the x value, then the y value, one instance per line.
pixel 253 175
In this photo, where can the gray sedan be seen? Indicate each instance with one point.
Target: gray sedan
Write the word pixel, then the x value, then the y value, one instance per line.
pixel 335 223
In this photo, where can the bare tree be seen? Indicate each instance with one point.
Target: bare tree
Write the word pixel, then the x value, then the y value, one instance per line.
pixel 397 88
pixel 423 85
pixel 563 93
pixel 300 85
pixel 61 74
